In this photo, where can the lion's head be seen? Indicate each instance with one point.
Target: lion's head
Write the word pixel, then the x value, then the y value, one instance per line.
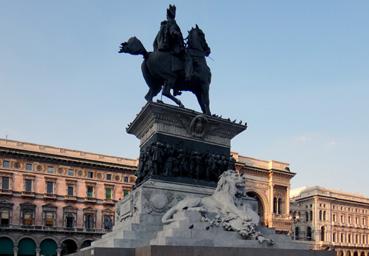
pixel 231 182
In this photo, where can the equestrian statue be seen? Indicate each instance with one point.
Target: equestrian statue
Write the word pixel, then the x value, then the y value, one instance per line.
pixel 175 65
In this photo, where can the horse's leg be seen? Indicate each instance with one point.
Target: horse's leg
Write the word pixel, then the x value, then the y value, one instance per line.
pixel 168 85
pixel 154 85
pixel 205 99
pixel 200 101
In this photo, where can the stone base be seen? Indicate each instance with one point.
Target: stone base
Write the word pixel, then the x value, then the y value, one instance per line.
pixel 138 217
pixel 200 251
pixel 138 222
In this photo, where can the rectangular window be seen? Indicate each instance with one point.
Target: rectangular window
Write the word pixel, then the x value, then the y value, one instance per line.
pixel 6 164
pixel 90 191
pixel 70 172
pixel 4 218
pixel 5 183
pixel 90 174
pixel 29 167
pixel 125 178
pixel 49 187
pixel 108 222
pixel 49 219
pixel 69 220
pixel 27 218
pixel 89 221
pixel 50 169
pixel 126 192
pixel 70 190
pixel 28 185
pixel 108 176
pixel 108 193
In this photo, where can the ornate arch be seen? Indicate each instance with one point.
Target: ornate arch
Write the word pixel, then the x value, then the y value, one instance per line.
pixel 37 242
pixel 263 200
pixel 11 238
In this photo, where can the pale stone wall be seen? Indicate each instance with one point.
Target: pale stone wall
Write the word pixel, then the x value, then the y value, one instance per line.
pixel 268 181
pixel 340 220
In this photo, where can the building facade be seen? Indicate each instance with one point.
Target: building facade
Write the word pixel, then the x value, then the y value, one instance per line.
pixel 331 220
pixel 269 183
pixel 54 201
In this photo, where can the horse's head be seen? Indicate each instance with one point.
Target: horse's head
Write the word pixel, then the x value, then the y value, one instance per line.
pixel 196 40
pixel 231 182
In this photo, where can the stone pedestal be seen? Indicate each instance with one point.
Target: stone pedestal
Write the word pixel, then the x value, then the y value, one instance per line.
pixel 181 143
pixel 138 217
pixel 182 154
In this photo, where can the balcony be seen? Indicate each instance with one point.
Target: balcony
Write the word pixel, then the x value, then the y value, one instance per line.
pixel 70 198
pixel 50 196
pixel 90 199
pixel 109 202
pixel 5 192
pixel 28 194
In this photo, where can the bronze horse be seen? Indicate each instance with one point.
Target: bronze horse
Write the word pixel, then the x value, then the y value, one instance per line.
pixel 157 69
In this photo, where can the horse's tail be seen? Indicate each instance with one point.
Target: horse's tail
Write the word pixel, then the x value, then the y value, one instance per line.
pixel 133 46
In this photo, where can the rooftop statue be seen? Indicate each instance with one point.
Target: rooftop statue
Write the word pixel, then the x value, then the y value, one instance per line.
pixel 175 66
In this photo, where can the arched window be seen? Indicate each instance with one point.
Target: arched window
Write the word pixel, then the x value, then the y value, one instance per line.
pixel 297 233
pixel 342 238
pixel 308 233
pixel 6 247
pixel 334 237
pixel 68 246
pixel 27 246
pixel 320 215
pixel 48 247
pixel 311 215
pixel 349 238
pixel 324 215
pixel 322 233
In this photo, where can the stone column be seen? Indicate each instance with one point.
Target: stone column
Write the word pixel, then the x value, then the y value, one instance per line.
pixel 58 251
pixel 288 201
pixel 38 250
pixel 271 196
pixel 315 228
pixel 15 251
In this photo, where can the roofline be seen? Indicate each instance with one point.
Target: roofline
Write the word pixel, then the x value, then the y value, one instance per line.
pixel 67 153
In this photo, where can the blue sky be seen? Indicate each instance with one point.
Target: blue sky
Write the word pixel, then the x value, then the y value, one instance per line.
pixel 296 71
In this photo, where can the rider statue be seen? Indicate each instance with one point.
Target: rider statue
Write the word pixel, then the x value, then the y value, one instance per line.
pixel 174 66
pixel 170 39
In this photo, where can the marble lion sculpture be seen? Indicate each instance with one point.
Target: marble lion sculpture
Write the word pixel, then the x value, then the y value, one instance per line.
pixel 223 208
